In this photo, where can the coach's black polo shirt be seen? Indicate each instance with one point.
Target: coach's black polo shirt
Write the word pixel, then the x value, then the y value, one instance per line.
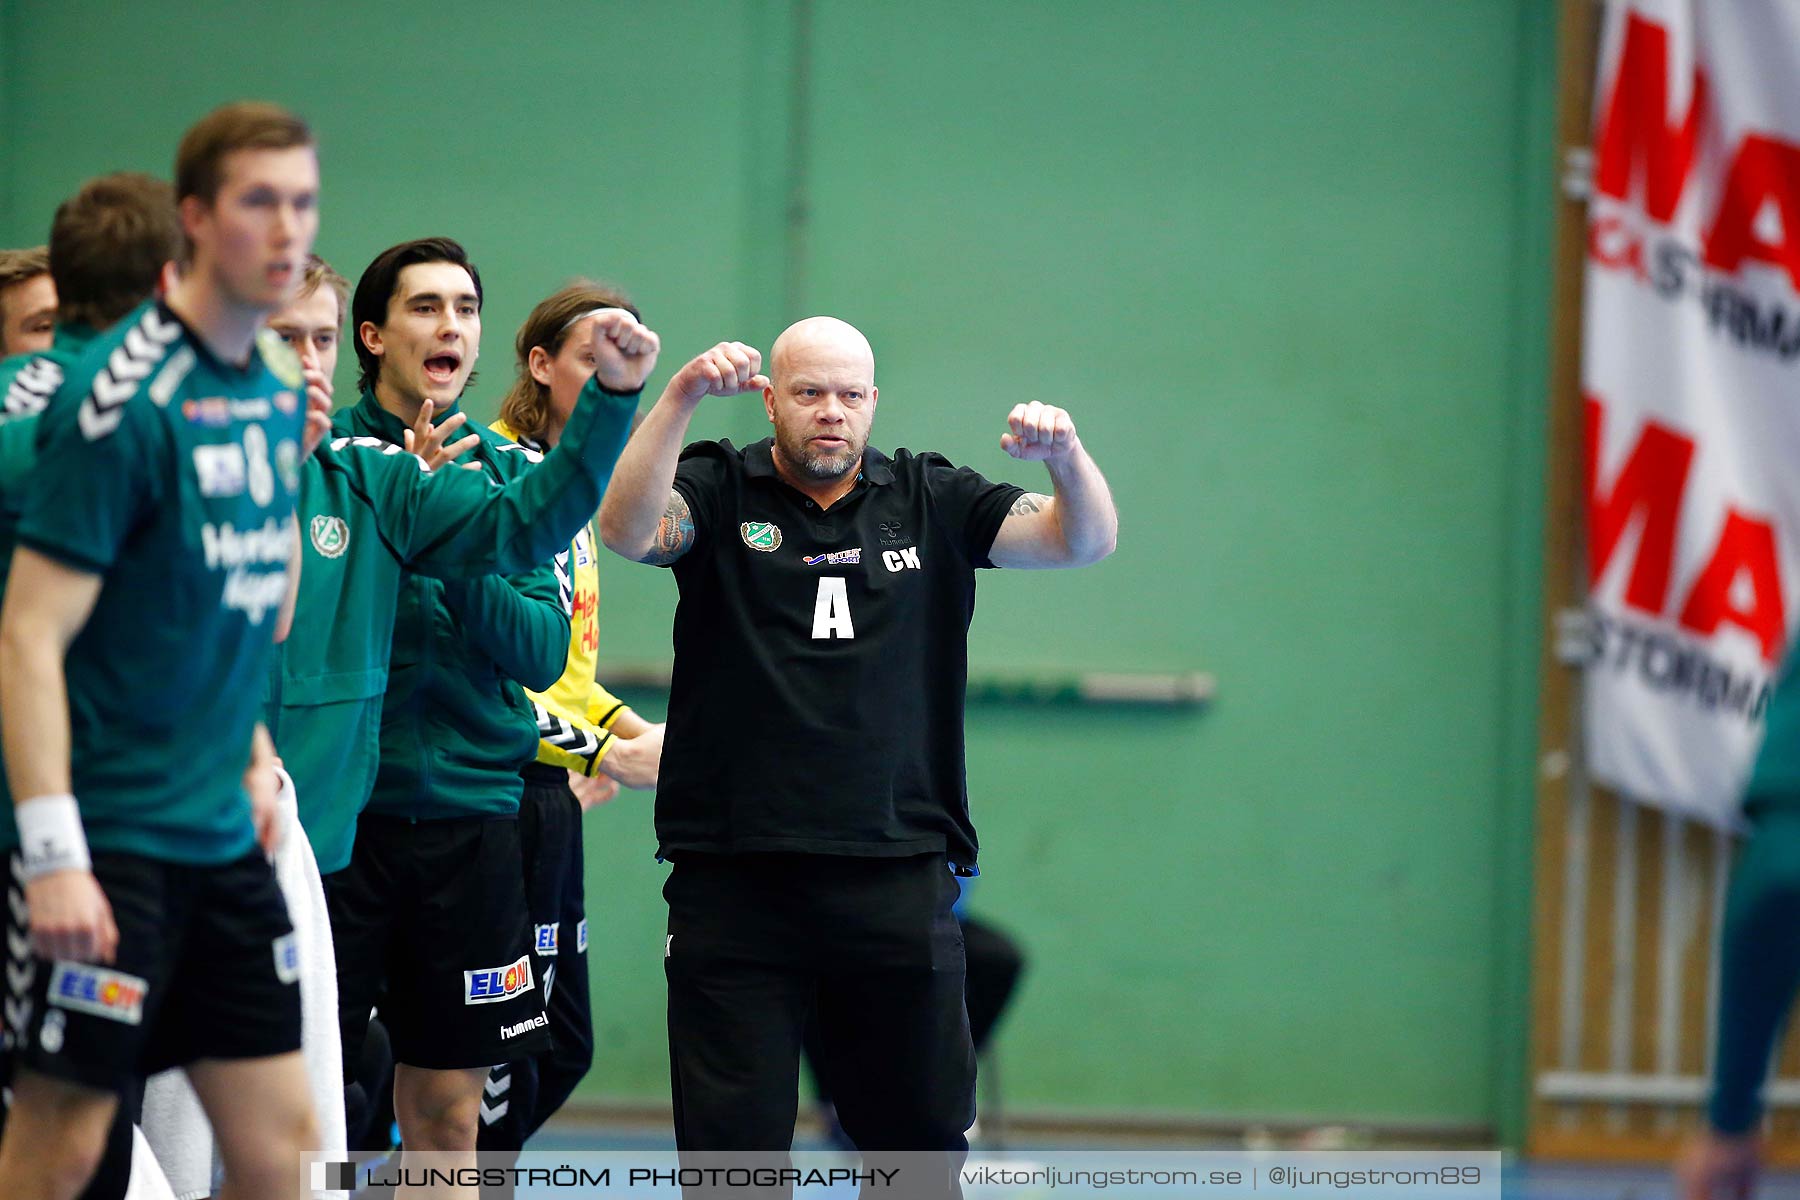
pixel 821 658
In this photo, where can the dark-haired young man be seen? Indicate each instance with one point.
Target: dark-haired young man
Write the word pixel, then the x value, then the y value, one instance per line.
pixel 27 301
pixel 460 992
pixel 154 553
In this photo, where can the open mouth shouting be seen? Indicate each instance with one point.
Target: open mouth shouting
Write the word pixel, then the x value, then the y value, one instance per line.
pixel 442 368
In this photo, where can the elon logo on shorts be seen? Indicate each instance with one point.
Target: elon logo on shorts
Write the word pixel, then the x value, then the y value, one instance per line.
pixel 494 984
pixel 99 992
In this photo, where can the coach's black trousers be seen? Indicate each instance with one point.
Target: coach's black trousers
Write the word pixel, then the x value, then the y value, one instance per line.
pixel 753 939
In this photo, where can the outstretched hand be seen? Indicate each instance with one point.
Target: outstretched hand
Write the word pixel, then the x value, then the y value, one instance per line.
pixel 427 440
pixel 318 411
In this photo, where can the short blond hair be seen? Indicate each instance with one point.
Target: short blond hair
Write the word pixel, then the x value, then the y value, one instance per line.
pixel 319 273
pixel 16 266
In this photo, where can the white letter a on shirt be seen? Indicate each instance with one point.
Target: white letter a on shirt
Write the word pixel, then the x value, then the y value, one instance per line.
pixel 831 613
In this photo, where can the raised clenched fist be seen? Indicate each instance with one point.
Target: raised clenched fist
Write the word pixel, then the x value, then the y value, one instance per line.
pixel 625 349
pixel 1038 433
pixel 728 369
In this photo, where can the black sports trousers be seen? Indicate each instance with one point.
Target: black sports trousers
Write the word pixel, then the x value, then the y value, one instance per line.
pixel 754 939
pixel 522 1094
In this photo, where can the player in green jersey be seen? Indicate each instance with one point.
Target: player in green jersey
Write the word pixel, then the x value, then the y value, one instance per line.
pixel 455 975
pixel 109 245
pixel 155 549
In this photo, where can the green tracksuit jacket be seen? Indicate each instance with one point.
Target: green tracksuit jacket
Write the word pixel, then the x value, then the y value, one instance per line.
pixel 427 657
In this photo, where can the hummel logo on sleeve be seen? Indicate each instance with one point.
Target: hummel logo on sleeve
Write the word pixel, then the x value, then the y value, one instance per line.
pixel 565 583
pixel 530 454
pixel 128 366
pixel 375 443
pixel 32 387
pixel 562 734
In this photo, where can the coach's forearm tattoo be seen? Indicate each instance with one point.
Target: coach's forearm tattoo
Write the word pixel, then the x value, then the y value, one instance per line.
pixel 674 534
pixel 1030 502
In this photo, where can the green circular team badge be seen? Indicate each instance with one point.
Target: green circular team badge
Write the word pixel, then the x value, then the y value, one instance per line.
pixel 330 536
pixel 760 535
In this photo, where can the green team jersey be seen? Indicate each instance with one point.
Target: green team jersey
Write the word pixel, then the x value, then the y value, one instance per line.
pixel 455 726
pixel 27 381
pixel 368 512
pixel 172 475
pixel 1775 776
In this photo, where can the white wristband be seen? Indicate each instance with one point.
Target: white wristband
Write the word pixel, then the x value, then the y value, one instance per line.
pixel 50 837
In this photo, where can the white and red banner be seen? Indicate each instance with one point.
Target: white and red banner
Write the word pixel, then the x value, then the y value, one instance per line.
pixel 1691 374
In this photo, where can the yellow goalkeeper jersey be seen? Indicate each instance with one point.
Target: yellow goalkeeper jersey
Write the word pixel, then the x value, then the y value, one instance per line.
pixel 575 717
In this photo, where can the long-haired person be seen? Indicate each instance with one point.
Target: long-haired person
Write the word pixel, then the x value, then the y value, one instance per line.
pixel 590 743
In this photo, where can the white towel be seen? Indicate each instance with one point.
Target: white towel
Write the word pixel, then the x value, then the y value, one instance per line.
pixel 175 1128
pixel 147 1182
pixel 173 1121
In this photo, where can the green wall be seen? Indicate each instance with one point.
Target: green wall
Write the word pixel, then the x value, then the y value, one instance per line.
pixel 1284 262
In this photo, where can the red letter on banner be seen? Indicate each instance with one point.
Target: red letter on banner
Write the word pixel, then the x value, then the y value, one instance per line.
pixel 1764 170
pixel 1746 546
pixel 1636 126
pixel 1651 482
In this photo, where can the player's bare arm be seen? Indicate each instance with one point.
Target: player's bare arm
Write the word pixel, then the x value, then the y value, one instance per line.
pixel 674 533
pixel 263 787
pixel 635 516
pixel 1075 526
pixel 47 604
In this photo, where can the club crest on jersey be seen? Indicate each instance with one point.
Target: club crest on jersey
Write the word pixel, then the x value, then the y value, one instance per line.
pixel 492 985
pixel 99 992
pixel 546 939
pixel 330 536
pixel 581 937
pixel 760 535
pixel 837 558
